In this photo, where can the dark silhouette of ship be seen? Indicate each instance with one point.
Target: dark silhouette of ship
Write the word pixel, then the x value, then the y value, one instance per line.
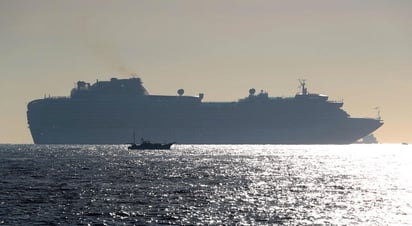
pixel 147 145
pixel 107 111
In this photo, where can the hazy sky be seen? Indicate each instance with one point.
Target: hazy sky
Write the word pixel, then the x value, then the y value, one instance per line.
pixel 356 50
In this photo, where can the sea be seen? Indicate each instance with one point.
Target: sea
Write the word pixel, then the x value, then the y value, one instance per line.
pixel 355 184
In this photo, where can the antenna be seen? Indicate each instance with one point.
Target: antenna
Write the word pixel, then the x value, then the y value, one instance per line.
pixel 302 84
pixel 379 112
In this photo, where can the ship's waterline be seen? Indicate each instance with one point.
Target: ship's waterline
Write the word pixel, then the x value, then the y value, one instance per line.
pixel 109 112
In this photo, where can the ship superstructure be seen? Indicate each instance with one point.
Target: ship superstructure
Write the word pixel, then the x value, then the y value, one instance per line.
pixel 107 112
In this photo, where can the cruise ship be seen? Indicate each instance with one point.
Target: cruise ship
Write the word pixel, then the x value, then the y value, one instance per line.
pixel 109 112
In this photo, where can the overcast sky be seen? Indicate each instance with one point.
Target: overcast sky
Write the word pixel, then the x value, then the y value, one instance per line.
pixel 356 51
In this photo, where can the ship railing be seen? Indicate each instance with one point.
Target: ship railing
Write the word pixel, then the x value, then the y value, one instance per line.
pixel 55 97
pixel 336 101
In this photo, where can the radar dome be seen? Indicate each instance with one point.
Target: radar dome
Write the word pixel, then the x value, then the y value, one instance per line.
pixel 252 91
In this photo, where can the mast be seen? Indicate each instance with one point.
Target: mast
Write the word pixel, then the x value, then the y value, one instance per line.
pixel 302 85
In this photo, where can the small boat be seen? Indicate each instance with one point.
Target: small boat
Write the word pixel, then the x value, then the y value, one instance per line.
pixel 147 145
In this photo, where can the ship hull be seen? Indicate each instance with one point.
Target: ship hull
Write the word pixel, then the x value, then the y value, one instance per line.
pixel 346 132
